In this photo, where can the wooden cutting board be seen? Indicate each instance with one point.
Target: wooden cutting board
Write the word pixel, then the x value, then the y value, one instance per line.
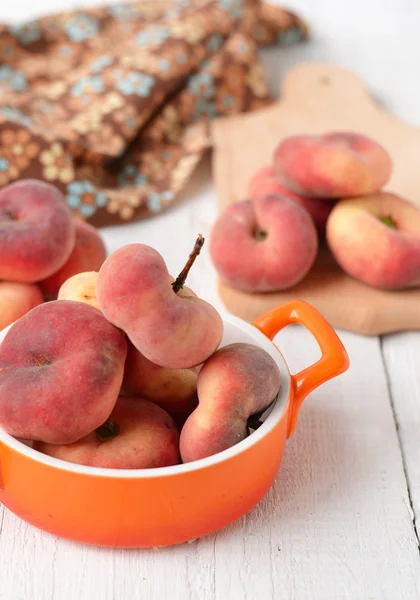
pixel 317 98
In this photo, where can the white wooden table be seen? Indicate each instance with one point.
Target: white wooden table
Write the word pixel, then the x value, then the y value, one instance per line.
pixel 342 519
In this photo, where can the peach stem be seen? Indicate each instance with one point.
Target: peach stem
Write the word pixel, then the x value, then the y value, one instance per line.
pixel 179 282
pixel 389 222
pixel 107 431
pixel 260 234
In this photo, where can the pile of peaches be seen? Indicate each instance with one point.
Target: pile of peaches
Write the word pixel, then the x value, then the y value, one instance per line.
pixel 41 246
pixel 124 370
pixel 319 188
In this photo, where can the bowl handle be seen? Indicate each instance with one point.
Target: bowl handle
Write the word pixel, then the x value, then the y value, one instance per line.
pixel 334 359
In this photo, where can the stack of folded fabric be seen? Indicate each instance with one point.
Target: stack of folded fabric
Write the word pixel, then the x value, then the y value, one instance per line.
pixel 112 105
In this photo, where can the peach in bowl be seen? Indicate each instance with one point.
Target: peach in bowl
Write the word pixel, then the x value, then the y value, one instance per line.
pixel 140 508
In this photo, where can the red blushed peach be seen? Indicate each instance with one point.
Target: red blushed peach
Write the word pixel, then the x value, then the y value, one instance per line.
pixel 135 293
pixel 36 231
pixel 175 390
pixel 61 369
pixel 16 299
pixel 238 381
pixel 376 239
pixel 146 437
pixel 81 288
pixel 335 165
pixel 263 245
pixel 88 254
pixel 266 183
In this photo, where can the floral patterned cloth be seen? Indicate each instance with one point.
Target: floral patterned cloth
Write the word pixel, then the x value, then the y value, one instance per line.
pixel 113 104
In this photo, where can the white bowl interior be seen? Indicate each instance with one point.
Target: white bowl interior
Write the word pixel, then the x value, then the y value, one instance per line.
pixel 235 330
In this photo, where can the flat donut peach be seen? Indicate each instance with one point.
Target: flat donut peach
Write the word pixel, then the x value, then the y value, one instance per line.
pixel 263 245
pixel 173 329
pixel 238 381
pixel 36 231
pixel 335 165
pixel 376 239
pixel 61 369
pixel 146 438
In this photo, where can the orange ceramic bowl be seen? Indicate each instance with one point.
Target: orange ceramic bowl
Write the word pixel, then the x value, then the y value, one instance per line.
pixel 171 505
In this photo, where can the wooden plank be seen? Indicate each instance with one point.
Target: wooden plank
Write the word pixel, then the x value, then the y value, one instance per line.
pixel 336 524
pixel 39 566
pixel 402 358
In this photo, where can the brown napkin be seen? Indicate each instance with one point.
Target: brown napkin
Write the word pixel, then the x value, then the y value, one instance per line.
pixel 113 104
